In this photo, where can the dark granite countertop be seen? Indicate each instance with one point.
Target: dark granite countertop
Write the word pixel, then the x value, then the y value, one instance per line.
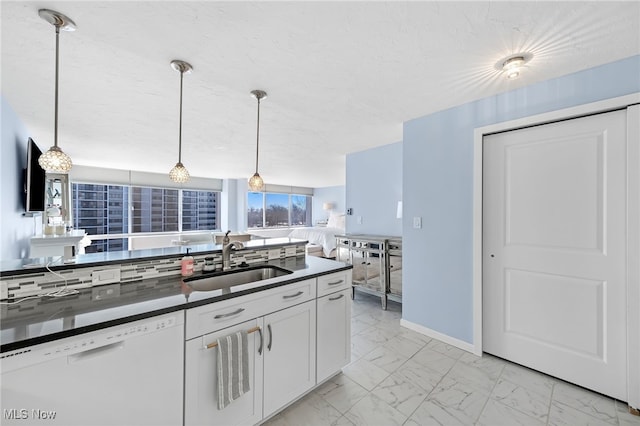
pixel 29 266
pixel 45 319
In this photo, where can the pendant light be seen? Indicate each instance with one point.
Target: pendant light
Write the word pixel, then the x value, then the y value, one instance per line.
pixel 54 160
pixel 255 182
pixel 179 173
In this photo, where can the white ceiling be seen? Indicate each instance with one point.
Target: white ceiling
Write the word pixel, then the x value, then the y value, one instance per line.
pixel 342 77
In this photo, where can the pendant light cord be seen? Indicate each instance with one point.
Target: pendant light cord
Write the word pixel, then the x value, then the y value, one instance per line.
pixel 55 123
pixel 257 133
pixel 180 125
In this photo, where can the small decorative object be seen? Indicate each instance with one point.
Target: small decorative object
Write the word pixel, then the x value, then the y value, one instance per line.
pixel 209 266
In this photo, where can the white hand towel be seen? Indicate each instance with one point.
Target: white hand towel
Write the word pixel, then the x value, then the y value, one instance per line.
pixel 233 368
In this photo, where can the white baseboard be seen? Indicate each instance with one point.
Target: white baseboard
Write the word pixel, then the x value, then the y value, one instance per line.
pixel 460 344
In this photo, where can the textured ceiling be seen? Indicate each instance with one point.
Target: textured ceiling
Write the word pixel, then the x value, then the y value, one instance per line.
pixel 341 76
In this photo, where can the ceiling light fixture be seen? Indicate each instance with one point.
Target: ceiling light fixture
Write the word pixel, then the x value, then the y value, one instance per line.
pixel 255 182
pixel 54 160
pixel 179 173
pixel 512 65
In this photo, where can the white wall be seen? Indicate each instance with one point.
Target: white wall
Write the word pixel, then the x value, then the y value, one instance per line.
pixel 329 194
pixel 15 228
pixel 374 187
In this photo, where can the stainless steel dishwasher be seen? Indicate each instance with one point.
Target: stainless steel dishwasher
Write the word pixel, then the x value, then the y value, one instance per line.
pixel 123 375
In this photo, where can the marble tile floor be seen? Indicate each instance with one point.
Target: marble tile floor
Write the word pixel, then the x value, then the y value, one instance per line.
pixel 400 377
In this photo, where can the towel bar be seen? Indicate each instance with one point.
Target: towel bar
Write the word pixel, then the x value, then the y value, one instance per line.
pixel 214 344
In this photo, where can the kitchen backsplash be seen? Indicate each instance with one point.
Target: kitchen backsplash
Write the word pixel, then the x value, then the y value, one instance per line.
pixel 40 283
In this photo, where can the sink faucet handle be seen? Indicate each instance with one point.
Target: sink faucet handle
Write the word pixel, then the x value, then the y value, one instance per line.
pixel 225 240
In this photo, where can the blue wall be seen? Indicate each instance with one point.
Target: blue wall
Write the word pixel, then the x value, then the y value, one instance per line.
pixel 15 228
pixel 374 187
pixel 438 186
pixel 328 194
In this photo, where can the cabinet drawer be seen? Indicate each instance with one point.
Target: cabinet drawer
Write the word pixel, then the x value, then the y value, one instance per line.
pixel 334 282
pixel 218 315
pixel 290 295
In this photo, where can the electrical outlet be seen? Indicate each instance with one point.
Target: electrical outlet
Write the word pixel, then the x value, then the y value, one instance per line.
pixel 289 251
pixel 417 222
pixel 274 254
pixel 105 276
pixel 4 291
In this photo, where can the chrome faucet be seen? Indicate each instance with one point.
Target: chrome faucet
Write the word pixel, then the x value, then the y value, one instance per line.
pixel 226 253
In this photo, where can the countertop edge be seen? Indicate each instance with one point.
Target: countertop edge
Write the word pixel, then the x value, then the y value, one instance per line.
pixel 187 305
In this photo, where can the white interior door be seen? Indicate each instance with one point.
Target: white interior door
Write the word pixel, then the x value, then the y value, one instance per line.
pixel 554 249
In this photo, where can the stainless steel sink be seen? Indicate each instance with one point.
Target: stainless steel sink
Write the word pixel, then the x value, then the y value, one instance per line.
pixel 228 279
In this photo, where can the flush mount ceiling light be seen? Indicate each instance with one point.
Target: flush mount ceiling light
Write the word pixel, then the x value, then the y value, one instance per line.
pixel 255 182
pixel 54 160
pixel 179 173
pixel 512 65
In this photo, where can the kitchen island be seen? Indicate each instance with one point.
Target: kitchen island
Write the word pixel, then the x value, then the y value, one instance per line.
pixel 140 346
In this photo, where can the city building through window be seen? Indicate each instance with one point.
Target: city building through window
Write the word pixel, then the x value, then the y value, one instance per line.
pixel 109 213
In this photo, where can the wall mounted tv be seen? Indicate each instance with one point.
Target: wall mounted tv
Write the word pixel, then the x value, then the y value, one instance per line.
pixel 35 179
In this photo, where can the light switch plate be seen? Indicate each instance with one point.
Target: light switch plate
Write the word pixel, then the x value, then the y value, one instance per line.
pixel 417 222
pixel 359 220
pixel 4 293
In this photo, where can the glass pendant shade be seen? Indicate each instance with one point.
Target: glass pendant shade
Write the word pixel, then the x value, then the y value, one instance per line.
pixel 55 161
pixel 256 183
pixel 179 173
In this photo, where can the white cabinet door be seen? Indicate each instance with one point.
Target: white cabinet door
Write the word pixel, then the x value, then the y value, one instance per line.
pixel 334 333
pixel 201 382
pixel 289 355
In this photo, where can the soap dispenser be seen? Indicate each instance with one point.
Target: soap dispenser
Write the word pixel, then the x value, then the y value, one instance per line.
pixel 186 266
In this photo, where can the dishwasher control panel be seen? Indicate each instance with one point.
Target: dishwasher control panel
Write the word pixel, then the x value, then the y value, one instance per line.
pixel 87 341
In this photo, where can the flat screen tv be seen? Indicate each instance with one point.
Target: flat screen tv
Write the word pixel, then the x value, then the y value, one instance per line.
pixel 35 179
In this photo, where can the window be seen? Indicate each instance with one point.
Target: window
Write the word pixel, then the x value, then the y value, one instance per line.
pixel 200 210
pixel 255 213
pixel 300 210
pixel 154 209
pixel 117 210
pixel 277 210
pixel 99 210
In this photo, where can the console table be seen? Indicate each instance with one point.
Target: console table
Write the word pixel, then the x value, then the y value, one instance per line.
pixel 377 264
pixel 65 245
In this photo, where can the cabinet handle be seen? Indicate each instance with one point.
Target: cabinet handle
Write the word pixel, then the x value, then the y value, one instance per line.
pixel 336 282
pixel 230 314
pixel 363 263
pixel 260 347
pixel 337 297
pixel 91 353
pixel 270 337
pixel 290 296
